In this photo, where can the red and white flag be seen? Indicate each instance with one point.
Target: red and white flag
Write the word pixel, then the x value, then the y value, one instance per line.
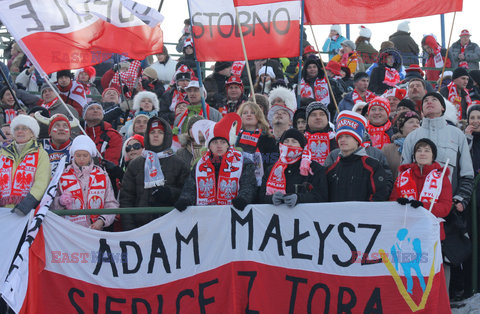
pixel 71 34
pixel 374 11
pixel 271 29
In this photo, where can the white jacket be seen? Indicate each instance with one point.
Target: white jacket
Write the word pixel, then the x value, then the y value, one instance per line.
pixel 165 71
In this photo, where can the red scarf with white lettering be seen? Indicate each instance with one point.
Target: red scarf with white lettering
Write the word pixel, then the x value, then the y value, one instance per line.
pixel 10 114
pixel 248 142
pixel 431 190
pixel 97 187
pixel 463 64
pixel 368 96
pixel 456 99
pixel 209 192
pixel 319 145
pixel 392 77
pixel 277 181
pixel 50 103
pixel 15 186
pixel 249 138
pixel 378 134
pixel 319 92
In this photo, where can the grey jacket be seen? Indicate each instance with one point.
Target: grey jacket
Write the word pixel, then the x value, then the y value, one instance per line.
pixel 472 55
pixel 451 144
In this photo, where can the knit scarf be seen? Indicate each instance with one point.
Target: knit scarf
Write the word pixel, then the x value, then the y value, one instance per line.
pixel 319 93
pixel 392 77
pixel 276 180
pixel 210 192
pixel 97 187
pixel 14 186
pixel 378 135
pixel 50 103
pixel 463 64
pixel 456 99
pixel 248 141
pixel 176 97
pixel 368 96
pixel 153 170
pixel 10 114
pixel 437 56
pixel 319 145
pixel 432 186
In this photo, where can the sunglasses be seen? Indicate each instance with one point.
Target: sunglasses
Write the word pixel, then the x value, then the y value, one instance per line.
pixel 134 146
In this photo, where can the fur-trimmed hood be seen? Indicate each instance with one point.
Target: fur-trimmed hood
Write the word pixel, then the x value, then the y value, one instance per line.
pixel 145 94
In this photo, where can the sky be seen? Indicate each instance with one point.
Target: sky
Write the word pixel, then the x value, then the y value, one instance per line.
pixel 176 11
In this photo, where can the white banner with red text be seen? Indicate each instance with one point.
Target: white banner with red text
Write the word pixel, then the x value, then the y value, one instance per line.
pixel 320 258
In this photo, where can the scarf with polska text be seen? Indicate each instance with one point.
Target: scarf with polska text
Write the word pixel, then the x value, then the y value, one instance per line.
pixel 319 91
pixel 210 192
pixel 368 96
pixel 456 99
pixel 378 134
pixel 248 141
pixel 153 170
pixel 392 77
pixel 431 190
pixel 277 181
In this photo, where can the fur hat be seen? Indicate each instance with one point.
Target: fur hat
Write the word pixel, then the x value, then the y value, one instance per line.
pixel 227 128
pixel 404 27
pixel 429 143
pixel 83 142
pixel 316 105
pixel 93 103
pixel 219 66
pixel 365 32
pixel 287 95
pixel 145 94
pixel 458 72
pixel 27 121
pixel 151 73
pixel 91 72
pixel 351 123
pixel 295 134
pixel 380 102
pixel 337 28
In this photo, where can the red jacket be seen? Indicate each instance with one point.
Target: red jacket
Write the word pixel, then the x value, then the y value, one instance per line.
pixel 444 203
pixel 434 75
pixel 108 141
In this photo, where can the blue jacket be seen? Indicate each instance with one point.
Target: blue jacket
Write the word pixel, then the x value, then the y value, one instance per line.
pixel 333 46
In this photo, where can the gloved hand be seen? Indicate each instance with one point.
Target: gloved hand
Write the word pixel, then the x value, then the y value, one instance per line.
pixel 108 165
pixel 290 200
pixel 305 169
pixel 239 203
pixel 403 201
pixel 160 195
pixel 415 203
pixel 66 200
pixel 277 198
pixel 181 205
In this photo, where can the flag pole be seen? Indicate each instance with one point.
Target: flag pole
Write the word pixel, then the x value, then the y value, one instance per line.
pixel 446 55
pixel 301 54
pixel 324 70
pixel 200 82
pixel 441 181
pixel 14 95
pixel 252 91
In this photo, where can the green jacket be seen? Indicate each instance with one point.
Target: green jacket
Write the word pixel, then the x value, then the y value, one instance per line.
pixel 42 174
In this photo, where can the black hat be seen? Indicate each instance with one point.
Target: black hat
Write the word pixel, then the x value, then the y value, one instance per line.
pixel 300 113
pixel 316 105
pixel 438 96
pixel 429 143
pixel 3 91
pixel 296 134
pixel 64 73
pixel 459 72
pixel 475 75
pixel 359 75
pixel 219 66
pixel 183 76
pixel 405 102
pixel 43 111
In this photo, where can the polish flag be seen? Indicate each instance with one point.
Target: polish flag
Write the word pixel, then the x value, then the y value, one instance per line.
pixel 71 34
pixel 271 29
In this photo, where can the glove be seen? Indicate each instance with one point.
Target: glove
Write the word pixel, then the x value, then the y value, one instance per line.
pixel 239 203
pixel 277 198
pixel 305 169
pixel 108 165
pixel 160 195
pixel 290 200
pixel 66 200
pixel 181 205
pixel 403 201
pixel 416 204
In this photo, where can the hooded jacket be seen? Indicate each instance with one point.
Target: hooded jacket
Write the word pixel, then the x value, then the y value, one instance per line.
pixel 107 140
pixel 377 76
pixel 433 75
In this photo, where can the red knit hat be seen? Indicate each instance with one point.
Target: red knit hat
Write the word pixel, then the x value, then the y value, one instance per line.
pixel 55 118
pixel 233 79
pixel 228 128
pixel 309 49
pixel 381 102
pixel 334 67
pixel 415 68
pixel 139 138
pixel 465 32
pixel 156 125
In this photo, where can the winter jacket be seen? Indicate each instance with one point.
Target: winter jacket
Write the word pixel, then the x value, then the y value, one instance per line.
pixel 309 189
pixel 58 107
pixel 433 75
pixel 333 46
pixel 214 84
pixel 444 203
pixel 472 55
pixel 366 51
pixel 107 140
pixel 268 147
pixel 451 144
pixel 352 62
pixel 463 95
pixel 83 177
pixel 42 173
pixel 74 95
pixel 134 193
pixel 247 185
pixel 473 141
pixel 377 76
pixel 165 70
pixel 407 46
pixel 357 177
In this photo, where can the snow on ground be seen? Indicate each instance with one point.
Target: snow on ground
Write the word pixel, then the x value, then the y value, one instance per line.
pixel 472 305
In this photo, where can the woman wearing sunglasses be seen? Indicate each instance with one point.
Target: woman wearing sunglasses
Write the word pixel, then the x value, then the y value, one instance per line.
pixel 132 148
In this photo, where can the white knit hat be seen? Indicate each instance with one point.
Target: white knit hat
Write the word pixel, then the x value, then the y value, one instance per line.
pixel 269 71
pixel 27 121
pixel 145 94
pixel 337 28
pixel 83 142
pixel 404 27
pixel 365 32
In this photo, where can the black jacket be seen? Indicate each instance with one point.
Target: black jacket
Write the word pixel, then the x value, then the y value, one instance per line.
pixel 357 178
pixel 214 84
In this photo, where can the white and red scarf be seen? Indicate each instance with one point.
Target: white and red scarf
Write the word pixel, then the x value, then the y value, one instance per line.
pixel 437 56
pixel 153 170
pixel 15 186
pixel 392 77
pixel 176 98
pixel 97 187
pixel 431 190
pixel 49 104
pixel 74 92
pixel 319 91
pixel 247 138
pixel 277 181
pixel 10 114
pixel 318 144
pixel 456 99
pixel 210 192
pixel 463 64
pixel 356 97
pixel 378 134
